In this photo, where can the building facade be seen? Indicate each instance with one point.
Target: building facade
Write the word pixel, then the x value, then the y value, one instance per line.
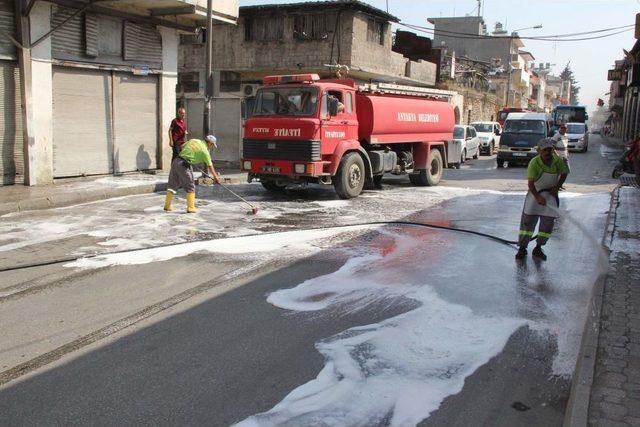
pixel 90 89
pixel 311 37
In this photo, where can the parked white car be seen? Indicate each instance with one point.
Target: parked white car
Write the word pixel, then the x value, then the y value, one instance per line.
pixel 489 135
pixel 577 137
pixel 470 144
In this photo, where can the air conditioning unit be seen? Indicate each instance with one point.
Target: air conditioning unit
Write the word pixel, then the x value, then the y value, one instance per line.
pixel 249 89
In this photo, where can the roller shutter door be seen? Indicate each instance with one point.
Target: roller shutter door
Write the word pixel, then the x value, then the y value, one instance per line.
pixel 82 122
pixel 136 122
pixel 11 145
pixel 227 122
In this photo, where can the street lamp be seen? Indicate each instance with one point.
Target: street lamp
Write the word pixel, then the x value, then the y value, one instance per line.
pixel 535 27
pixel 514 33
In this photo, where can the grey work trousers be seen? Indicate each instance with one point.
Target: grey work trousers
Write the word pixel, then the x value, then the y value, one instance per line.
pixel 528 226
pixel 181 176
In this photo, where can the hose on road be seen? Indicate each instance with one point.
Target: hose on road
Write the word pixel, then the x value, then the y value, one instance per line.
pixel 361 224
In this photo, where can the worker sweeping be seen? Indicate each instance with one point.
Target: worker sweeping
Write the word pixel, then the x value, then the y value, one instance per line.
pixel 545 174
pixel 192 152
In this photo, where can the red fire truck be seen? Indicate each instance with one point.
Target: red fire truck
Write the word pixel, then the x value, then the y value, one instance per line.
pixel 333 131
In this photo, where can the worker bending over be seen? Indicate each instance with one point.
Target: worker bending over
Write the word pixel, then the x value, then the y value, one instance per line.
pixel 192 152
pixel 546 174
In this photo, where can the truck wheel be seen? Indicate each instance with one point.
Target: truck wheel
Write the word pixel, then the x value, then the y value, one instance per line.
pixel 272 186
pixel 350 177
pixel 501 163
pixel 431 176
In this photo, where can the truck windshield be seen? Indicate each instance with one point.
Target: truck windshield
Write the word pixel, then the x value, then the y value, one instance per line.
pixel 289 101
pixel 525 126
pixel 483 127
pixel 575 128
pixel 570 114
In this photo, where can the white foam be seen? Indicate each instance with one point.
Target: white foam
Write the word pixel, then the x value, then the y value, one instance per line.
pixel 299 242
pixel 332 203
pixel 404 366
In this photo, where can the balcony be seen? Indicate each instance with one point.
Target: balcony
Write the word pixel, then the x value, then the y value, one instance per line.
pixel 185 12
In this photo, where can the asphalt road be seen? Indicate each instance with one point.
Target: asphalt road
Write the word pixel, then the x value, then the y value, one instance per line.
pixel 191 338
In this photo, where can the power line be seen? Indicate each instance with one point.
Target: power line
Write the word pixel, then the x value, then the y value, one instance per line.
pixel 556 37
pixel 559 37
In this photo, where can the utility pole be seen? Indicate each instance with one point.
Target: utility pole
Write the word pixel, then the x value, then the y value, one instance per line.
pixel 506 102
pixel 208 73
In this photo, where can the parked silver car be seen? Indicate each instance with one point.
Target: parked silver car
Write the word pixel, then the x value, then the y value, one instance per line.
pixel 577 137
pixel 469 139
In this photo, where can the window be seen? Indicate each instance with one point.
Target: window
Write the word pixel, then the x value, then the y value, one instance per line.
pixel 190 82
pixel 294 101
pixel 311 27
pixel 483 127
pixel 199 38
pixel 375 30
pixel 265 28
pixel 324 112
pixel 229 81
pixel 349 103
pixel 458 132
pixel 337 94
pixel 525 126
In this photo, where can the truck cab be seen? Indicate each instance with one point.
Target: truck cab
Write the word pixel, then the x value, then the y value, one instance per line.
pixel 306 130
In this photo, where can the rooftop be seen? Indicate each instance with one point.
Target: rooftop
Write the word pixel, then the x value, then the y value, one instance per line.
pixel 322 5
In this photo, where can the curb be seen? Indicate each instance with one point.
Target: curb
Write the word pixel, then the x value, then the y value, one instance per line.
pixel 70 198
pixel 74 198
pixel 577 412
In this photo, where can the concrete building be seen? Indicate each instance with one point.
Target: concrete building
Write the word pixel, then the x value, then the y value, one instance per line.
pixel 631 106
pixel 617 95
pixel 287 39
pixel 89 88
pixel 513 80
pixel 498 47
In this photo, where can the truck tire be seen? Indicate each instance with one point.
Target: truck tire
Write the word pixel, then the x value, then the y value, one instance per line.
pixel 350 177
pixel 429 177
pixel 501 163
pixel 272 186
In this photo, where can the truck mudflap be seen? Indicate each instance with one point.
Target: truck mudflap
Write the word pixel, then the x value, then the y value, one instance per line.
pixel 421 153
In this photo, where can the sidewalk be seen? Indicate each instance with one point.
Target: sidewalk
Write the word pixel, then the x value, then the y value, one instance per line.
pixel 67 192
pixel 607 380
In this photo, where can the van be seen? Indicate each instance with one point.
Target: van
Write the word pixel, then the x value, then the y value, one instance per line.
pixel 520 137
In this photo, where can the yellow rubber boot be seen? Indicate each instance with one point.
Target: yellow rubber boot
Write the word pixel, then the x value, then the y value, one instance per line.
pixel 167 201
pixel 191 203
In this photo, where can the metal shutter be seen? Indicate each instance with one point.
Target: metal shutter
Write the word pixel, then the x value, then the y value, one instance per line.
pixel 142 44
pixel 11 144
pixel 82 122
pixel 227 119
pixel 68 40
pixel 195 111
pixel 136 122
pixel 7 24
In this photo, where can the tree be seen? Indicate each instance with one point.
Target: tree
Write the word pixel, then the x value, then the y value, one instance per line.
pixel 567 75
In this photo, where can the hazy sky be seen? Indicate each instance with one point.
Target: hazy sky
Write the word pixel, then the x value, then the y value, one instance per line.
pixel 590 60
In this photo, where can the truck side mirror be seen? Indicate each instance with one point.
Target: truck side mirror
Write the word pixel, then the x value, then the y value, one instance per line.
pixel 333 107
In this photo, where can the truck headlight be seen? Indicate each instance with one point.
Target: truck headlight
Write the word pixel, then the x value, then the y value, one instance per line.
pixel 300 168
pixel 246 165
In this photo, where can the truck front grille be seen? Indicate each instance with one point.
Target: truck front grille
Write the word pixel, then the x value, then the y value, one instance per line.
pixel 272 149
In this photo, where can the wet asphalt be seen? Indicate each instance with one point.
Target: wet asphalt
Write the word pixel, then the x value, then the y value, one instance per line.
pixel 223 353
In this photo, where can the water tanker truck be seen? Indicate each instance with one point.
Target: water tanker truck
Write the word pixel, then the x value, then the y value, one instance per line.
pixel 333 131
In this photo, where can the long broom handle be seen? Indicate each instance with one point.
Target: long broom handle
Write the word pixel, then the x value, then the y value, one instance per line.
pixel 229 190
